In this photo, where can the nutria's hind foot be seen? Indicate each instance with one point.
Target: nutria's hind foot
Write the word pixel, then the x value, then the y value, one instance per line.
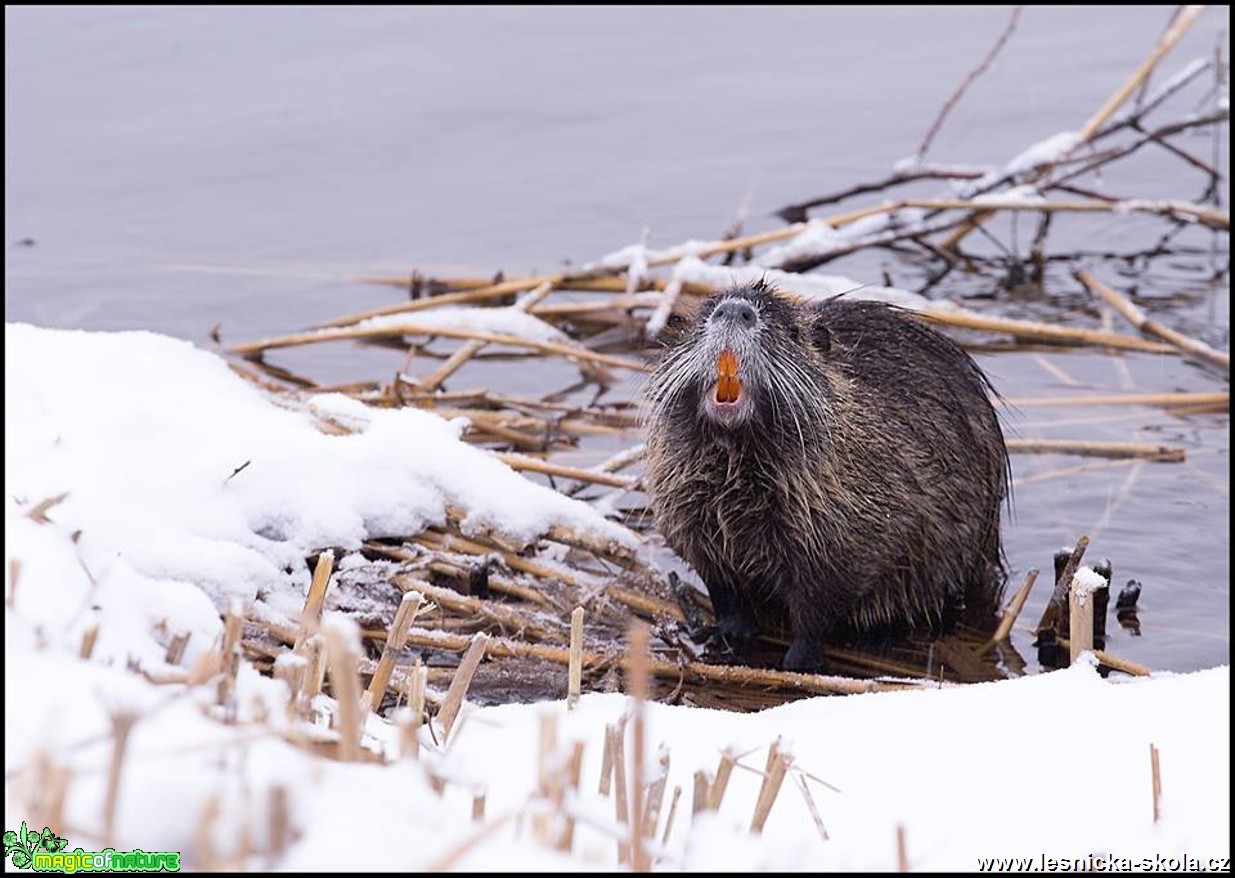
pixel 736 633
pixel 805 654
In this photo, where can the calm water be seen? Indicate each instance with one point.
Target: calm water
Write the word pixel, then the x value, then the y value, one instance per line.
pixel 178 168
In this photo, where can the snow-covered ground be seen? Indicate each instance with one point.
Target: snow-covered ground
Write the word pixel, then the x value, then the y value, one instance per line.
pixel 147 485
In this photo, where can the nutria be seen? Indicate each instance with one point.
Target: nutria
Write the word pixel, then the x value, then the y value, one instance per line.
pixel 825 467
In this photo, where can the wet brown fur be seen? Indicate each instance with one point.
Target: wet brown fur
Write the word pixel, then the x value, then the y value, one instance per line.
pixel 864 489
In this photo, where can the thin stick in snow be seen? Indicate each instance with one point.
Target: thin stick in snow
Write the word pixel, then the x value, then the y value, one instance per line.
pixel 311 615
pixel 637 680
pixel 575 672
pixel 773 776
pixel 1013 610
pixel 1157 781
pixel 396 638
pixel 453 702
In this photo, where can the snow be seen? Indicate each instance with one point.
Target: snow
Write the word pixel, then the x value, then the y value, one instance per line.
pixel 1044 152
pixel 143 433
pixel 505 321
pixel 807 286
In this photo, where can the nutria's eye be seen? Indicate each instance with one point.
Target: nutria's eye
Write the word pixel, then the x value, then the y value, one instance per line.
pixel 820 336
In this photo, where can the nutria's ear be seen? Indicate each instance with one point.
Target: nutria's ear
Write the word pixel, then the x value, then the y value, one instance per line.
pixel 820 335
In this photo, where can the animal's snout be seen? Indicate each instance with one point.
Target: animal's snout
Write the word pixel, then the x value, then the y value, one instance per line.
pixel 737 312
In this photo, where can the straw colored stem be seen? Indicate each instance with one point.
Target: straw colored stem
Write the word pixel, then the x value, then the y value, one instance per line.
pixel 345 685
pixel 571 351
pixel 1094 448
pixel 453 702
pixel 1215 399
pixel 1036 331
pixel 1080 621
pixel 523 463
pixel 395 641
pixel 575 677
pixel 1138 318
pixel 1013 611
pixel 1186 18
pixel 311 615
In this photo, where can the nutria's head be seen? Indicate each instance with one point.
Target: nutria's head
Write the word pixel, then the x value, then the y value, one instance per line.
pixel 749 361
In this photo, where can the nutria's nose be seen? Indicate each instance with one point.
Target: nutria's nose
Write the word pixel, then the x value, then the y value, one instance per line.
pixel 736 310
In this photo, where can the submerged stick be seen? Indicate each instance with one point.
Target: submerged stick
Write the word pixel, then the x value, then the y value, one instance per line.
pixel 1148 399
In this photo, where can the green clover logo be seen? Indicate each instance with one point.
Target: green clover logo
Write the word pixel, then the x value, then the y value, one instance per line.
pixel 22 846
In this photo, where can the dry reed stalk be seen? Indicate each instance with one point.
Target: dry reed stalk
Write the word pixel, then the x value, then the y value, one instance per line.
pixel 1156 779
pixel 453 702
pixel 507 617
pixel 1119 664
pixel 615 739
pixel 49 784
pixel 902 853
pixel 88 639
pixel 496 583
pixel 1184 20
pixel 1178 27
pixel 233 630
pixel 175 649
pixel 812 807
pixel 38 512
pixel 570 351
pixel 122 722
pixel 522 463
pixel 1080 620
pixel 417 679
pixel 314 651
pixel 1093 448
pixel 1036 331
pixel 637 682
pixel 499 647
pixel 655 799
pixel 1013 611
pixel 279 830
pixel 989 205
pixel 703 785
pixel 452 543
pixel 606 765
pixel 342 663
pixel 773 777
pixel 311 615
pixel 673 813
pixel 575 673
pixel 396 638
pixel 1147 399
pixel 574 773
pixel 724 770
pixel 1052 615
pixel 548 785
pixel 456 360
pixel 478 807
pixel 1149 326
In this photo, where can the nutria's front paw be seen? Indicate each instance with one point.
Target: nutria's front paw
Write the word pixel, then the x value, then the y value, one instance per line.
pixel 736 633
pixel 805 654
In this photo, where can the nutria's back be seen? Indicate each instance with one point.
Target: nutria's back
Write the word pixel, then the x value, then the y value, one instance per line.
pixel 825 466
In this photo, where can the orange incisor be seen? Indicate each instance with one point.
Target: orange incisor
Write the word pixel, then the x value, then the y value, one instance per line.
pixel 727 384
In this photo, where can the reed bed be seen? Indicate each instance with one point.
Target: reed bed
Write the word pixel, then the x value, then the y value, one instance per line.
pixel 594 331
